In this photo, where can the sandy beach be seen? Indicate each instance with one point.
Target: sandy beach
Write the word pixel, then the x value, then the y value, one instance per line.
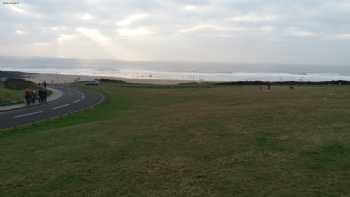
pixel 60 78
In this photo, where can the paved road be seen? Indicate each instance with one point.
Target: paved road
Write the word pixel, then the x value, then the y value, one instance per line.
pixel 73 100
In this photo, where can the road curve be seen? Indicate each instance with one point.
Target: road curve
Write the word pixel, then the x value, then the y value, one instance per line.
pixel 73 99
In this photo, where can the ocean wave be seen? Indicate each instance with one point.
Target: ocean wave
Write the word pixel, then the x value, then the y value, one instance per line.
pixel 189 76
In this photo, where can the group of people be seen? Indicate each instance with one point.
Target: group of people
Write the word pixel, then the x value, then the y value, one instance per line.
pixel 33 96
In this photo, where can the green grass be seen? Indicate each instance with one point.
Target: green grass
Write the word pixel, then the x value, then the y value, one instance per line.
pixel 224 141
pixel 9 97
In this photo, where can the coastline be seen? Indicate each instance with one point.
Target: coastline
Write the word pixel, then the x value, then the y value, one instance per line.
pixel 67 78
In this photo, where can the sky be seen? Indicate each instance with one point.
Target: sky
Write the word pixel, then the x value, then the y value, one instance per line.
pixel 240 31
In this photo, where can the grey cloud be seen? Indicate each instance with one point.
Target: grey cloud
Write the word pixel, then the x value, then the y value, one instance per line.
pixel 205 30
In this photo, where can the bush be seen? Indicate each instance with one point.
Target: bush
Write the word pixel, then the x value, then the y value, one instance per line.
pixel 19 84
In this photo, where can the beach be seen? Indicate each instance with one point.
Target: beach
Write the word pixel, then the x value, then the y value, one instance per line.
pixel 63 70
pixel 62 78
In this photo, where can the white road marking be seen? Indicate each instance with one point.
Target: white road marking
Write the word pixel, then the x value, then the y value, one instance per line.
pixel 28 114
pixel 60 107
pixel 76 101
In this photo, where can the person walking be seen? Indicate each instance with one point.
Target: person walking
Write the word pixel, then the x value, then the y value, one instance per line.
pixel 41 95
pixel 45 95
pixel 28 96
pixel 34 97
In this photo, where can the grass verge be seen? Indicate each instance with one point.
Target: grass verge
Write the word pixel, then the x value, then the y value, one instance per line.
pixel 10 97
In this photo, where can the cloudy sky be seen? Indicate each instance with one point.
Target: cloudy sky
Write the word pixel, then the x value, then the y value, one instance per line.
pixel 244 31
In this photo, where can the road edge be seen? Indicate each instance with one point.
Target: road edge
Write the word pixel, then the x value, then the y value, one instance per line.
pixel 56 94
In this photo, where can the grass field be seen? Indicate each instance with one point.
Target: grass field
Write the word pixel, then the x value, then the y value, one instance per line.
pixel 8 97
pixel 223 141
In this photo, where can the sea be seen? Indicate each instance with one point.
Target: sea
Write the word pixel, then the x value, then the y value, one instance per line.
pixel 187 71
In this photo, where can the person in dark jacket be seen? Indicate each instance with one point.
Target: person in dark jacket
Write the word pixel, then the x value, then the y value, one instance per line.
pixel 45 95
pixel 28 96
pixel 41 95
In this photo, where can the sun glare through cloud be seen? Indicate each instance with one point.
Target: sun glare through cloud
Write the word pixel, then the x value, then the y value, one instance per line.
pixel 182 25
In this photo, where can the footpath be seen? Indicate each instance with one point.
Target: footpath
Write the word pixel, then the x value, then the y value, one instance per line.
pixel 56 94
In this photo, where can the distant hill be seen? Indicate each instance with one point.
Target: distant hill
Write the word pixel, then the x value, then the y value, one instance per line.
pixel 18 84
pixel 11 74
